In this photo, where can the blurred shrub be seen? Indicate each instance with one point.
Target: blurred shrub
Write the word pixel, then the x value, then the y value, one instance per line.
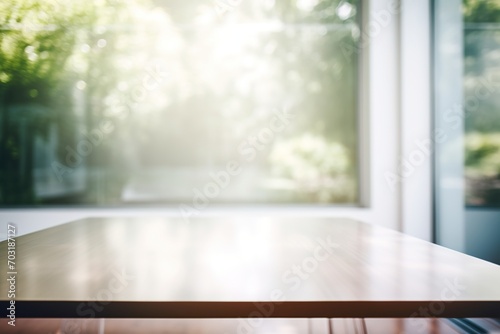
pixel 317 168
pixel 482 154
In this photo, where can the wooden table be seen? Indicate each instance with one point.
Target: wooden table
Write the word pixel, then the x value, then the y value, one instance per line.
pixel 243 267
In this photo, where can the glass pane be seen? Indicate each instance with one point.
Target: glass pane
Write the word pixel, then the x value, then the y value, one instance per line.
pixel 168 101
pixel 482 102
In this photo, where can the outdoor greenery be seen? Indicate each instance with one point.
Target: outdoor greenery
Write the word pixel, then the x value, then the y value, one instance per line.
pixel 483 154
pixel 482 101
pixel 317 167
pixel 181 82
pixel 481 11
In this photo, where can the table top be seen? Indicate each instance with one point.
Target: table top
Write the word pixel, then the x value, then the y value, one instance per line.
pixel 228 267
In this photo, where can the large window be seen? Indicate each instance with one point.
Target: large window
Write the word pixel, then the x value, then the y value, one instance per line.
pixel 166 101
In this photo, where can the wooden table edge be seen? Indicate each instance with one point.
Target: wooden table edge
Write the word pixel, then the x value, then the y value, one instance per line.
pixel 250 309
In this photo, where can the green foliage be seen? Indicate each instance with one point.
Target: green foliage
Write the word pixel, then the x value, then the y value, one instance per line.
pixel 482 154
pixel 40 42
pixel 481 11
pixel 37 38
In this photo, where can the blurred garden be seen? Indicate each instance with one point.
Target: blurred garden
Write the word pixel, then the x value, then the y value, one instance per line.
pixel 179 86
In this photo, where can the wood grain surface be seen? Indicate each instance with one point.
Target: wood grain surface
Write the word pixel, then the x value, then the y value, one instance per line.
pixel 244 267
